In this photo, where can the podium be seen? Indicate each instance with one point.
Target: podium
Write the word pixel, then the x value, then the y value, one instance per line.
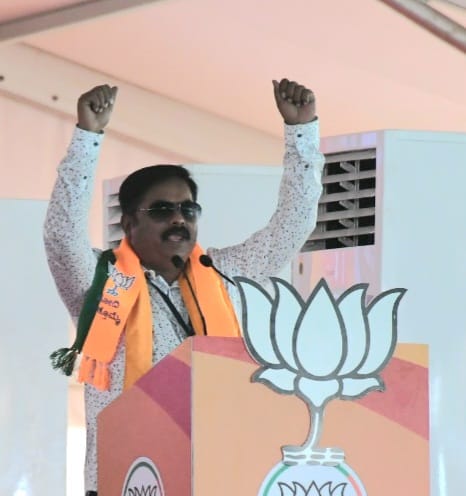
pixel 195 425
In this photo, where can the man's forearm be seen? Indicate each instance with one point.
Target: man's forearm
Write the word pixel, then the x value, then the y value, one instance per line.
pixel 266 252
pixel 66 237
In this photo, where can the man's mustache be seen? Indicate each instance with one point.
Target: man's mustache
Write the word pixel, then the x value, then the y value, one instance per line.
pixel 177 231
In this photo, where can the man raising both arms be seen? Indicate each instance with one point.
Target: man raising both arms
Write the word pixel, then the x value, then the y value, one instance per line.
pixel 134 304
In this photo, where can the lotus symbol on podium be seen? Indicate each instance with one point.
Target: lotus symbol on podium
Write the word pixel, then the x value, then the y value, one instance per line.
pixel 298 489
pixel 319 349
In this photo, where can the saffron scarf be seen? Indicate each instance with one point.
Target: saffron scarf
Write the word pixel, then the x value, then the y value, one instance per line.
pixel 120 301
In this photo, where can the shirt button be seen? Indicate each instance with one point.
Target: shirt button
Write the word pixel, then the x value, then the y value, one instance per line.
pixel 299 135
pixel 95 143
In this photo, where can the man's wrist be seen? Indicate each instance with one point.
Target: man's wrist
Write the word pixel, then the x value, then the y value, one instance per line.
pixel 300 123
pixel 82 128
pixel 297 133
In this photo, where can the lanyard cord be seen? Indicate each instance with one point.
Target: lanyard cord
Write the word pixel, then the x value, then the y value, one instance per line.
pixel 188 328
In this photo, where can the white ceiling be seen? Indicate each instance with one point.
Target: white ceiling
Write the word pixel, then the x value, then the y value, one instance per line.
pixel 370 67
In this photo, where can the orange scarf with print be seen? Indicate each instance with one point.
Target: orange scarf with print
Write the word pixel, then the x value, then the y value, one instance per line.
pixel 125 306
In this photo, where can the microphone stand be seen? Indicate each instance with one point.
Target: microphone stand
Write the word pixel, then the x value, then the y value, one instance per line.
pixel 207 261
pixel 178 262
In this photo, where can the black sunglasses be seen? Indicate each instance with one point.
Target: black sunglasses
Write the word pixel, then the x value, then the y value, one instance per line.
pixel 164 210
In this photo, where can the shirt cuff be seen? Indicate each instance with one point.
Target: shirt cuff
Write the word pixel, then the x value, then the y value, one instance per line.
pixel 86 139
pixel 299 135
pixel 82 154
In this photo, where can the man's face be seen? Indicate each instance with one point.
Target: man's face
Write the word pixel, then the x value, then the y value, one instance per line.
pixel 156 240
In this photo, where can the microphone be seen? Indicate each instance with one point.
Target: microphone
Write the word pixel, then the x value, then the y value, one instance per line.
pixel 178 262
pixel 206 261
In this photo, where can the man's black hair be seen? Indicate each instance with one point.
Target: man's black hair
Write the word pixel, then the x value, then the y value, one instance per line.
pixel 134 187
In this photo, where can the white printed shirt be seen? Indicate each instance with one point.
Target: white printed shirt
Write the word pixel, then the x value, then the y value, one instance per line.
pixel 72 260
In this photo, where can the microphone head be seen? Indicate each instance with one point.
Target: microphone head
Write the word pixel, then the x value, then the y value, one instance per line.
pixel 206 261
pixel 178 262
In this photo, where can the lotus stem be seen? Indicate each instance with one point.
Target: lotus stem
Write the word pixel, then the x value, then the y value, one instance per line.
pixel 315 430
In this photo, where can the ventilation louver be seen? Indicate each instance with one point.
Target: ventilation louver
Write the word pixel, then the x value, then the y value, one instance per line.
pixel 346 212
pixel 113 226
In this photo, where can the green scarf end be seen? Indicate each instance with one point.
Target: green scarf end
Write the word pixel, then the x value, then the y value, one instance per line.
pixel 64 359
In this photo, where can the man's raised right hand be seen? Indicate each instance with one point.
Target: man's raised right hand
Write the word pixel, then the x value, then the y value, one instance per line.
pixel 95 108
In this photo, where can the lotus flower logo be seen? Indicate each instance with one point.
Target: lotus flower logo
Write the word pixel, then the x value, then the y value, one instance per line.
pixel 144 491
pixel 120 280
pixel 143 479
pixel 296 489
pixel 319 349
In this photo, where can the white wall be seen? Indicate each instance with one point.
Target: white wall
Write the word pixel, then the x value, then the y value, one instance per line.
pixel 423 249
pixel 33 415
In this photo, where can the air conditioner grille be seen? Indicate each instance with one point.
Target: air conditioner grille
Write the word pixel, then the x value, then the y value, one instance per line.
pixel 346 211
pixel 113 230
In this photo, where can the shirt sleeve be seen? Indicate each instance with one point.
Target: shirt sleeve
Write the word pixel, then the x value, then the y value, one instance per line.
pixel 66 237
pixel 267 251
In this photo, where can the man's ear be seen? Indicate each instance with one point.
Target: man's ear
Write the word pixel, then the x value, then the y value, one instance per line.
pixel 126 222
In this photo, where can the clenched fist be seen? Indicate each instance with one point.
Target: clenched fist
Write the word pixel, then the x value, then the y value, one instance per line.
pixel 295 102
pixel 95 108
